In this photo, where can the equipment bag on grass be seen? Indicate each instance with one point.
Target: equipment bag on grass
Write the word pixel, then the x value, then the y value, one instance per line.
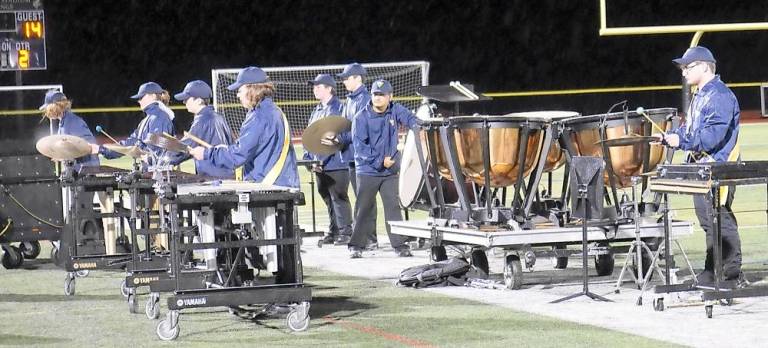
pixel 443 273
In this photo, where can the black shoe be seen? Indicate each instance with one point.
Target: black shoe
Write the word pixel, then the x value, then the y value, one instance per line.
pixel 372 246
pixel 341 240
pixel 355 253
pixel 404 252
pixel 328 239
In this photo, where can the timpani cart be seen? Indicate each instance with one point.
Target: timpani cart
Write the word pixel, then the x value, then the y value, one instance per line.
pixel 262 264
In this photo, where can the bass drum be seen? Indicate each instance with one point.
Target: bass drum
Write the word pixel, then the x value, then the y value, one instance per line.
pixel 413 192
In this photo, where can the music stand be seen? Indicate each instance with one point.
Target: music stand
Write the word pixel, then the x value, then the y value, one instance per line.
pixel 587 179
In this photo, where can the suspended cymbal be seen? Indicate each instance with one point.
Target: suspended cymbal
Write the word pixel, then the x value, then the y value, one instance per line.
pixel 63 147
pixel 324 127
pixel 167 142
pixel 628 140
pixel 130 151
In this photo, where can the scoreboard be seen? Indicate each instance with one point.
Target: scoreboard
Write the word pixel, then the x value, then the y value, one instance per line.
pixel 22 35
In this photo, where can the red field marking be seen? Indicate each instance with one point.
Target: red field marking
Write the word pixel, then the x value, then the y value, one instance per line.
pixel 379 332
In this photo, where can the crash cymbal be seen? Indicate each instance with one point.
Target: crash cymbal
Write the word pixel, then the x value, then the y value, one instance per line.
pixel 326 126
pixel 63 147
pixel 627 140
pixel 130 151
pixel 167 142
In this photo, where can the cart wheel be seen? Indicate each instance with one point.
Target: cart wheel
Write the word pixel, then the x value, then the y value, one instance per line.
pixel 30 250
pixel 152 308
pixel 133 305
pixel 513 272
pixel 708 310
pixel 166 332
pixel 320 243
pixel 658 304
pixel 604 264
pixel 437 253
pixel 124 289
pixel 82 273
pixel 69 285
pixel 12 257
pixel 480 260
pixel 295 321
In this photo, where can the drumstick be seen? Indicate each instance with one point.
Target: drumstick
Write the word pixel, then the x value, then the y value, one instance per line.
pixel 102 131
pixel 197 140
pixel 641 111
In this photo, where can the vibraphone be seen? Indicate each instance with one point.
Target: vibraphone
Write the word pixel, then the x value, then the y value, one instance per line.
pixel 83 246
pixel 260 236
pixel 709 179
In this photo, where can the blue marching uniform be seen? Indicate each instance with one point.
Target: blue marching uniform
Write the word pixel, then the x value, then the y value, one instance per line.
pixel 209 126
pixel 375 137
pixel 259 146
pixel 72 124
pixel 156 120
pixel 333 181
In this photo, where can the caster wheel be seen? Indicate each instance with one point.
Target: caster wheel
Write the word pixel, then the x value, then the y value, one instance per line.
pixel 513 272
pixel 30 250
pixel 124 289
pixel 437 253
pixel 82 273
pixel 152 308
pixel 296 323
pixel 166 332
pixel 658 304
pixel 69 285
pixel 480 260
pixel 320 243
pixel 708 310
pixel 604 264
pixel 639 301
pixel 133 305
pixel 12 257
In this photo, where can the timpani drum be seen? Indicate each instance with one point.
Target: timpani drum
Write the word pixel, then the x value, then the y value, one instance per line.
pixel 584 135
pixel 506 148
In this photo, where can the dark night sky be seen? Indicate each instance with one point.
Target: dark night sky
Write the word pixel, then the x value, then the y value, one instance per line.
pixel 102 50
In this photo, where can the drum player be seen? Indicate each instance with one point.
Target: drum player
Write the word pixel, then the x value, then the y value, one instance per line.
pixel 56 106
pixel 333 171
pixel 710 134
pixel 264 147
pixel 207 125
pixel 375 137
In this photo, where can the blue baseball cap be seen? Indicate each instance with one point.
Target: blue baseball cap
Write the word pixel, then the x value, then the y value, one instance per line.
pixel 695 54
pixel 51 97
pixel 381 87
pixel 248 75
pixel 146 88
pixel 323 79
pixel 353 69
pixel 194 89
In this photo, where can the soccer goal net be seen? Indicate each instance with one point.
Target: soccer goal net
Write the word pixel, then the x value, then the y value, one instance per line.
pixel 294 95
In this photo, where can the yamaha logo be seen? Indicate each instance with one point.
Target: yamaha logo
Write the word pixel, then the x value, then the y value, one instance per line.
pixel 188 302
pixel 145 280
pixel 84 265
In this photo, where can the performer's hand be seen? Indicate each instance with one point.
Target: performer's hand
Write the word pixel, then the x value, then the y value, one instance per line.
pixel 317 168
pixel 329 140
pixel 197 152
pixel 388 162
pixel 94 149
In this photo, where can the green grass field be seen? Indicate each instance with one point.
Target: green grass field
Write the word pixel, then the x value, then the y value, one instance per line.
pixel 346 311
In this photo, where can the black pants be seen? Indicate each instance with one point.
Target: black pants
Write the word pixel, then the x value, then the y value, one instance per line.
pixel 365 217
pixel 333 188
pixel 731 251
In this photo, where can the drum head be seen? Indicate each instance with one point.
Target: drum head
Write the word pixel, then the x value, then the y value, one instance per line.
pixel 411 177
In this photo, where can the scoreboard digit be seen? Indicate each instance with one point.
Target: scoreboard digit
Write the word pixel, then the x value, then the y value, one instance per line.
pixel 22 35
